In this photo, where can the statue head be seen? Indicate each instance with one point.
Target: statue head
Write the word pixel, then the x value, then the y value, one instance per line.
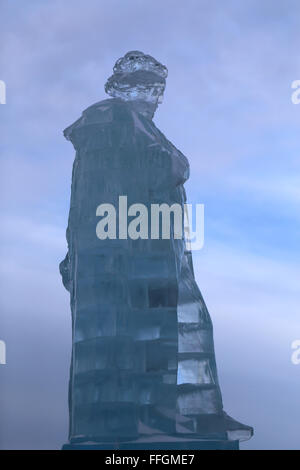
pixel 138 78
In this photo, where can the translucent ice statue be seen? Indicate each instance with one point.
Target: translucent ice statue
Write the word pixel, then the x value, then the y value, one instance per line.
pixel 143 371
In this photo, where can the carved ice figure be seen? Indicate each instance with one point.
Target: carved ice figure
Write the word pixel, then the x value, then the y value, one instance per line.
pixel 143 364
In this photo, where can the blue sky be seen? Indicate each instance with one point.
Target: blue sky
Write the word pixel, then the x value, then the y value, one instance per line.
pixel 228 108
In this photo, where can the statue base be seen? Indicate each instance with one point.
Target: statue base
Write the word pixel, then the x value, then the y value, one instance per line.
pixel 164 445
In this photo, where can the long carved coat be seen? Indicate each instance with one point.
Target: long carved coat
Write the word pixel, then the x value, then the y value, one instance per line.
pixel 143 364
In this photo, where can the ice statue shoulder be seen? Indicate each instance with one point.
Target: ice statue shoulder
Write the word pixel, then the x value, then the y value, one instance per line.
pixel 143 370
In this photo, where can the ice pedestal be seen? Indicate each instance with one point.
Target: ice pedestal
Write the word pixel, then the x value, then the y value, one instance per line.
pixel 158 445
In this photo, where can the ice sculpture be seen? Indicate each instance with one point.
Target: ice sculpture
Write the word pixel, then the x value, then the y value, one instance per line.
pixel 143 371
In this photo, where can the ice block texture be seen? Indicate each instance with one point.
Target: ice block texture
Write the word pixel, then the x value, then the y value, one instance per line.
pixel 143 363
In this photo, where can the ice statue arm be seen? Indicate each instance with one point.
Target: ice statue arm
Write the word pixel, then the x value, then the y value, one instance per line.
pixel 64 269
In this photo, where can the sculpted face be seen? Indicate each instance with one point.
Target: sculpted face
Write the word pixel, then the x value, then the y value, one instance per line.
pixel 137 77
